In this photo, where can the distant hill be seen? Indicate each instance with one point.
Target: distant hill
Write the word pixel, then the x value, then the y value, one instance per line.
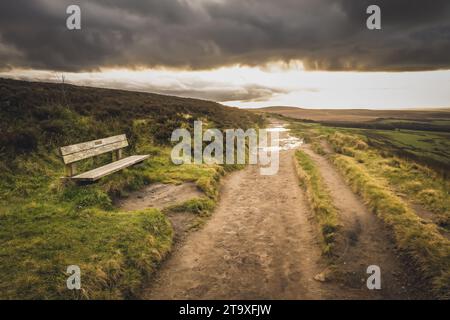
pixel 355 115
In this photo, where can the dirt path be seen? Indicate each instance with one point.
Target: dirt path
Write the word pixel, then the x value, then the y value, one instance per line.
pixel 258 244
pixel 365 242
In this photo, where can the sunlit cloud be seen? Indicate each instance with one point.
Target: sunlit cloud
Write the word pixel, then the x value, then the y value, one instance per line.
pixel 272 84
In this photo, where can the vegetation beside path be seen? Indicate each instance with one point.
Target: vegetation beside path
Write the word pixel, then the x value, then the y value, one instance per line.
pixel 389 185
pixel 48 224
pixel 319 199
pixel 421 241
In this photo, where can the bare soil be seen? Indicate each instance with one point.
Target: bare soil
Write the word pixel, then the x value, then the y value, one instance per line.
pixel 159 196
pixel 261 243
pixel 258 244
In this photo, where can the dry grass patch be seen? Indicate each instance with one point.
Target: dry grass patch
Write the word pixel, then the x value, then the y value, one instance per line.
pixel 422 242
pixel 319 199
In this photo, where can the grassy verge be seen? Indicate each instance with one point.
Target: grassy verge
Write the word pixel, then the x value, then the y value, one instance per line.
pixel 421 242
pixel 48 225
pixel 420 184
pixel 115 251
pixel 379 177
pixel 201 206
pixel 319 199
pixel 384 181
pixel 317 148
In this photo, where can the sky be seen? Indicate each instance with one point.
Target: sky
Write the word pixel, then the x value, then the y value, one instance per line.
pixel 246 53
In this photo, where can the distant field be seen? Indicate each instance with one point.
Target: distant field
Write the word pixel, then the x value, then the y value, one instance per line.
pixel 421 135
pixel 359 115
pixel 430 147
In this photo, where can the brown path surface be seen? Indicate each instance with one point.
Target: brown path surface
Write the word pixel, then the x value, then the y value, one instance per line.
pixel 159 196
pixel 258 244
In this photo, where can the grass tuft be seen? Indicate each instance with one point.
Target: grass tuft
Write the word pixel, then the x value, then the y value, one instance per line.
pixel 319 199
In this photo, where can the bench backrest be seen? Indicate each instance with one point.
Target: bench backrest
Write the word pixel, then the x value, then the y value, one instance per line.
pixel 85 150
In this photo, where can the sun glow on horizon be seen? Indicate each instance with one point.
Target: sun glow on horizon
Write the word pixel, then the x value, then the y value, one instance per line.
pixel 272 84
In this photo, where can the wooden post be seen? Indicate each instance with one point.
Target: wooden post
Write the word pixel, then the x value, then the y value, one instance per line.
pixel 71 169
pixel 118 154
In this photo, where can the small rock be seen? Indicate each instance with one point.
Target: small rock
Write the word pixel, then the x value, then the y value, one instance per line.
pixel 321 277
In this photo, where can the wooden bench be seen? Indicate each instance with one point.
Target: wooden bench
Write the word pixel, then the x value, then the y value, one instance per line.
pixel 76 152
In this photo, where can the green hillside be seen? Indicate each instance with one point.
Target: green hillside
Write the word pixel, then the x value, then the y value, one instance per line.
pixel 48 223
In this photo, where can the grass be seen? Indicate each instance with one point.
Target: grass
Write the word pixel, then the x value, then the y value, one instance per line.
pixel 115 251
pixel 429 148
pixel 201 206
pixel 420 184
pixel 379 177
pixel 388 179
pixel 306 131
pixel 363 117
pixel 317 148
pixel 420 241
pixel 319 199
pixel 48 224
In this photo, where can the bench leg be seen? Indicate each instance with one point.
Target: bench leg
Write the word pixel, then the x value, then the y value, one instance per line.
pixel 71 169
pixel 117 155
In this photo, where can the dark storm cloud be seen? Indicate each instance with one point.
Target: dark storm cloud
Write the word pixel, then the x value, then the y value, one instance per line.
pixel 200 34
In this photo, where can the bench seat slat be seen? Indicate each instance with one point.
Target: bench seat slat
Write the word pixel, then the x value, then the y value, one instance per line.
pixel 100 172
